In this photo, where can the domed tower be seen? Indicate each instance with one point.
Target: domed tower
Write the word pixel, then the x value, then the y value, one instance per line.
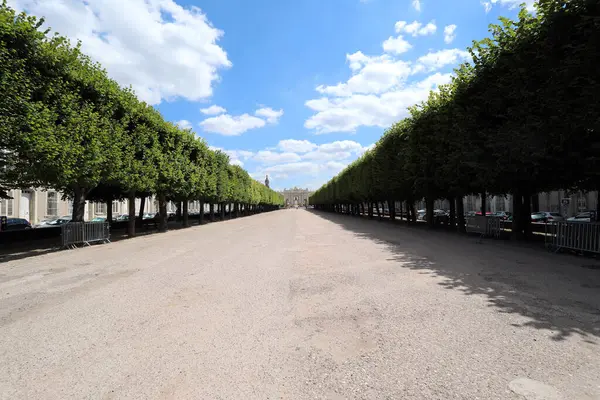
pixel 267 181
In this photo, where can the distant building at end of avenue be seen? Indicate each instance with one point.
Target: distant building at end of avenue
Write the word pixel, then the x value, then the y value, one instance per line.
pixel 296 196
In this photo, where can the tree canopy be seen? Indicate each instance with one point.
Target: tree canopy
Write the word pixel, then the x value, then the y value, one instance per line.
pixel 520 119
pixel 65 125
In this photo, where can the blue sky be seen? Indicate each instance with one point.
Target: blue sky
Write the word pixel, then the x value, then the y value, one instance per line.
pixel 293 89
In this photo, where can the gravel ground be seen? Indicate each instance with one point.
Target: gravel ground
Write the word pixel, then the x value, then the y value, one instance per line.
pixel 296 304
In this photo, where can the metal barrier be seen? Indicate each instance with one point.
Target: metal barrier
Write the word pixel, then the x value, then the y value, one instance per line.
pixel 485 226
pixel 84 233
pixel 578 236
pixel 495 227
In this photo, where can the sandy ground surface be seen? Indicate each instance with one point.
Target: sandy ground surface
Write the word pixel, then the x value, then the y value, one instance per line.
pixel 300 305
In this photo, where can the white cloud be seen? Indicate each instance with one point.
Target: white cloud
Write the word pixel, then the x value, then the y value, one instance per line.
pixel 376 76
pixel 365 149
pixel 163 50
pixel 184 124
pixel 415 28
pixel 341 145
pixel 235 125
pixel 213 110
pixel 235 156
pixel 511 4
pixel 381 88
pixel 229 125
pixel 439 59
pixel 397 45
pixel 416 5
pixel 299 160
pixel 347 114
pixel 449 33
pixel 296 146
pixel 271 157
pixel 271 115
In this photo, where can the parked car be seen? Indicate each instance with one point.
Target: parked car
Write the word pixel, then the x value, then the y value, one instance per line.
pixel 17 224
pixel 122 217
pixel 487 213
pixel 421 215
pixel 98 219
pixel 55 222
pixel 585 216
pixel 552 216
pixel 471 213
pixel 504 215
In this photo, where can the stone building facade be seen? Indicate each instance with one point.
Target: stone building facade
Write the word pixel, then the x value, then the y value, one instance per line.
pixel 296 197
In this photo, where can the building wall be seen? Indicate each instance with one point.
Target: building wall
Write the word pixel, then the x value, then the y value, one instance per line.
pixel 290 195
pixel 37 205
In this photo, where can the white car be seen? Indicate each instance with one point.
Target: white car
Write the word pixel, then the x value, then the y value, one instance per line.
pixel 581 217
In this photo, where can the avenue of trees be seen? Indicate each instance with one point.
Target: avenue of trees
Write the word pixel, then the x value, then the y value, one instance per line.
pixel 65 125
pixel 522 118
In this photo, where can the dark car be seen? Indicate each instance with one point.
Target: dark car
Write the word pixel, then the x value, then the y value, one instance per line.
pixel 17 224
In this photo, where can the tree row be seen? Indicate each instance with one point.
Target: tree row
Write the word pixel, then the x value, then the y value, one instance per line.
pixel 520 118
pixel 65 125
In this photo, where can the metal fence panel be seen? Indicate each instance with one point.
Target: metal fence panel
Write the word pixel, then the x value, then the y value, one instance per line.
pixel 84 233
pixel 485 226
pixel 578 236
pixel 476 224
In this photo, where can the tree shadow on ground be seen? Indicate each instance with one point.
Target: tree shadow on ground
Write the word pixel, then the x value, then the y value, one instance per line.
pixel 559 293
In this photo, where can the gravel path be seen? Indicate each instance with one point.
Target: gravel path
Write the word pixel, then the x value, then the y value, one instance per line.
pixel 300 305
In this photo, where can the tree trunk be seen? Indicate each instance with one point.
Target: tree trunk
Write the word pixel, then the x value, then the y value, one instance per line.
pixel 392 208
pixel 201 212
pixel 527 215
pixel 378 211
pixel 222 211
pixel 162 209
pixel 362 208
pixel 429 210
pixel 535 202
pixel 185 214
pixel 178 211
pixel 142 206
pixel 452 202
pixel 211 210
pixel 413 212
pixel 131 209
pixel 78 205
pixel 517 224
pixel 460 210
pixel 109 214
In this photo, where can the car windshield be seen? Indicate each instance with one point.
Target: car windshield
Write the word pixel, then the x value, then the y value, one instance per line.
pixel 583 215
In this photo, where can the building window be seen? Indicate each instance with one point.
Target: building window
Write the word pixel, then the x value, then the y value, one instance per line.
pixel 581 202
pixel 52 204
pixel 115 207
pixel 6 207
pixel 470 203
pixel 100 208
pixel 70 206
pixel 500 204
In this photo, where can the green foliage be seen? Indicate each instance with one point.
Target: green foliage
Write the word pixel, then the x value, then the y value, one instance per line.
pixel 65 125
pixel 521 119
